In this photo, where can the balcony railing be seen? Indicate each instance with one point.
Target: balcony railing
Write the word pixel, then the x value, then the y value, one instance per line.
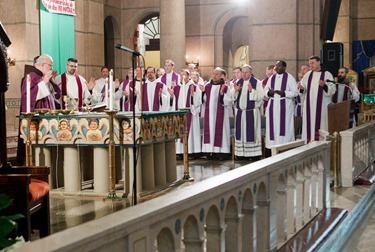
pixel 357 151
pixel 256 207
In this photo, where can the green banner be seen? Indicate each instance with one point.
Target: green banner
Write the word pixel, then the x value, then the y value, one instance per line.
pixel 56 37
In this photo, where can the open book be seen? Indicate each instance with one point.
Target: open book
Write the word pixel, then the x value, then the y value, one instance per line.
pixel 99 107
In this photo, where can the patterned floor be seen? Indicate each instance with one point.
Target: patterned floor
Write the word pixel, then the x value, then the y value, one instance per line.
pixel 69 211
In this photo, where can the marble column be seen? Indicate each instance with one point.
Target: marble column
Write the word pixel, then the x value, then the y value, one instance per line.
pixel 72 174
pixel 172 32
pixel 43 158
pixel 101 170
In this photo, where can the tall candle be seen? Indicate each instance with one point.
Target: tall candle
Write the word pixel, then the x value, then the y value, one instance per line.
pixel 28 94
pixel 106 92
pixel 111 90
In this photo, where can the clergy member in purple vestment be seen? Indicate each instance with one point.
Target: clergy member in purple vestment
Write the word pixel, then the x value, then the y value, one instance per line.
pixel 170 78
pixel 298 101
pixel 248 94
pixel 43 91
pixel 74 85
pixel 345 89
pixel 98 89
pixel 125 91
pixel 156 96
pixel 189 96
pixel 216 128
pixel 281 89
pixel 318 95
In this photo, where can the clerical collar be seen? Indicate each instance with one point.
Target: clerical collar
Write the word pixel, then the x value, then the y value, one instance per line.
pixel 68 74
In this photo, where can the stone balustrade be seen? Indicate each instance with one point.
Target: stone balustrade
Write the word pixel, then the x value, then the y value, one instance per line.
pixel 357 151
pixel 256 207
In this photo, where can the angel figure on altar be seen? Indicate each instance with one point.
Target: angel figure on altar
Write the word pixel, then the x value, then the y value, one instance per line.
pixel 93 130
pixel 64 133
pixel 35 133
pixel 127 130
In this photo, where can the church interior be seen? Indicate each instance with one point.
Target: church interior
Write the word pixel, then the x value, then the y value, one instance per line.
pixel 109 191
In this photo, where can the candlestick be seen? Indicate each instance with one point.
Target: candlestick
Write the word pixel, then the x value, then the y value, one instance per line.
pixel 28 93
pixel 111 90
pixel 106 92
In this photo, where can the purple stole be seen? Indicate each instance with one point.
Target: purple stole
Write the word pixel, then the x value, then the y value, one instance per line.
pixel 250 132
pixel 188 104
pixel 219 118
pixel 63 90
pixel 177 90
pixel 297 103
pixel 282 107
pixel 264 83
pixel 156 105
pixel 318 109
pixel 344 97
pixel 174 78
pixel 128 105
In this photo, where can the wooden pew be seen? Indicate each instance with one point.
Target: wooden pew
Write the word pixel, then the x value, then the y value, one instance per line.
pixel 28 186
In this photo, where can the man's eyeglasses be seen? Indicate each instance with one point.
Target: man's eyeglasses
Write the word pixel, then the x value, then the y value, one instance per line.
pixel 48 64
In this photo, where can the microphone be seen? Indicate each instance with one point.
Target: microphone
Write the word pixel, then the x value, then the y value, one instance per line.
pixel 332 81
pixel 124 48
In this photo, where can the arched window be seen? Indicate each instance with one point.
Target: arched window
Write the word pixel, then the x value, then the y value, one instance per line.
pixel 151 33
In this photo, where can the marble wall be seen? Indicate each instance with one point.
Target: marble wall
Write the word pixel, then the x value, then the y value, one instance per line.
pixel 214 29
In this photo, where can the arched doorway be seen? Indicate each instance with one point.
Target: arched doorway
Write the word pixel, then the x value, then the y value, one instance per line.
pixel 235 42
pixel 151 38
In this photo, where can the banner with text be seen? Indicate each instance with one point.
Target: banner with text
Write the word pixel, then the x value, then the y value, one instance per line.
pixel 67 7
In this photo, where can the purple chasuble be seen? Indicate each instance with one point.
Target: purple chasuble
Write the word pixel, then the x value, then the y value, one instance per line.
pixel 250 131
pixel 318 108
pixel 282 107
pixel 47 102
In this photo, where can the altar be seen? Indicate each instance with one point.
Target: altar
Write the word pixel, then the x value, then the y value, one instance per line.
pixel 78 146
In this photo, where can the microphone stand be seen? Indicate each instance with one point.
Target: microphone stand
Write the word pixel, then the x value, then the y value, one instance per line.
pixel 134 56
pixel 134 59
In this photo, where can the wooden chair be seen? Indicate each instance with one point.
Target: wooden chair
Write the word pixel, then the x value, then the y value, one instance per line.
pixel 28 186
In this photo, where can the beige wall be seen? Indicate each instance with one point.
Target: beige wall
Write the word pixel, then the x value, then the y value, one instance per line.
pixel 288 30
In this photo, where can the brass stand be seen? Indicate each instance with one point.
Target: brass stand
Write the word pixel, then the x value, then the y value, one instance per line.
pixel 112 197
pixel 335 158
pixel 29 150
pixel 186 155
